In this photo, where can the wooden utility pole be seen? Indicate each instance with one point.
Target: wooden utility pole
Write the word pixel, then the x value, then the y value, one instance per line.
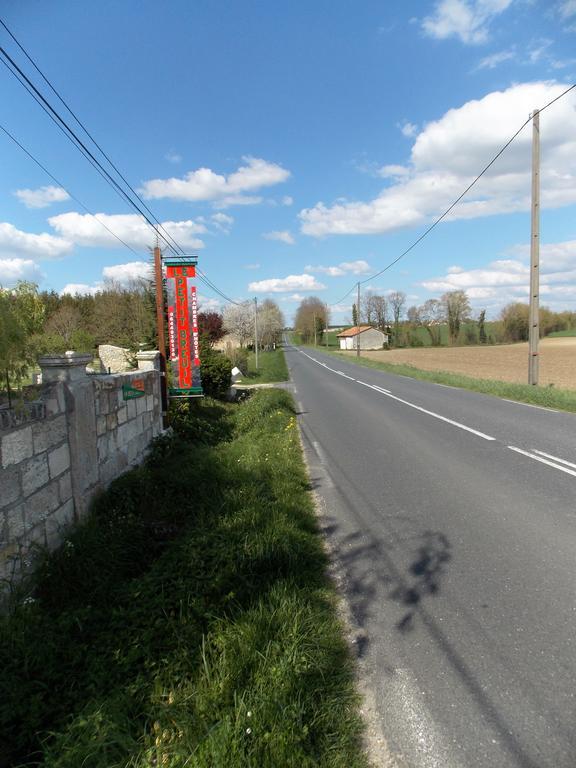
pixel 256 330
pixel 534 322
pixel 159 285
pixel 314 316
pixel 358 322
pixel 326 326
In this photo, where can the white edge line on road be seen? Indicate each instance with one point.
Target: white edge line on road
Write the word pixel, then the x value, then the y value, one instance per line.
pixel 530 405
pixel 442 418
pixel 543 461
pixel 447 386
pixel 555 458
pixel 412 405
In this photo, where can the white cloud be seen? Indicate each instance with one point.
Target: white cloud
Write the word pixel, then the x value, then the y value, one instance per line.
pixel 491 62
pixel 12 270
pixel 251 266
pixel 222 221
pixel 173 157
pixel 14 243
pixel 205 184
pixel 567 9
pixel 287 200
pixel 506 280
pixel 448 154
pixel 408 129
pixel 227 202
pixel 359 267
pixel 41 197
pixel 131 272
pixel 86 230
pixel 80 289
pixel 290 283
pixel 206 304
pixel 467 20
pixel 283 237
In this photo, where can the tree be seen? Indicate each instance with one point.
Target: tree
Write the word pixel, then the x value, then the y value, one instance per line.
pixel 374 310
pixel 355 318
pixel 239 321
pixel 514 317
pixel 270 324
pixel 310 317
pixel 211 326
pixel 397 300
pixel 431 315
pixel 457 309
pixel 482 338
pixel 64 322
pixel 12 342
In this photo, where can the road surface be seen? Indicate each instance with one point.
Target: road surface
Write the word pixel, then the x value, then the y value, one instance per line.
pixel 452 519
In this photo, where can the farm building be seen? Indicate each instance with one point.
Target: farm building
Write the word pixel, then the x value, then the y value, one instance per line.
pixel 369 337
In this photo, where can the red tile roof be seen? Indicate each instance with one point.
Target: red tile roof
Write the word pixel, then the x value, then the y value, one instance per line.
pixel 355 330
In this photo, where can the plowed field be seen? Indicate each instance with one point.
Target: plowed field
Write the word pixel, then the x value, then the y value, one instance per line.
pixel 508 362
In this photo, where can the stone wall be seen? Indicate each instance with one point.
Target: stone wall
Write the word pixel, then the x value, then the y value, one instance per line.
pixel 57 453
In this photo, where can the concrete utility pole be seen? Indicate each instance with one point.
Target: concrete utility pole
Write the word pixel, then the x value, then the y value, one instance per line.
pixel 358 322
pixel 534 321
pixel 326 326
pixel 256 329
pixel 159 286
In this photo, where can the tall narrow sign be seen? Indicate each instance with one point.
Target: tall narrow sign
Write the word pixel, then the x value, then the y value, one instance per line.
pixel 183 327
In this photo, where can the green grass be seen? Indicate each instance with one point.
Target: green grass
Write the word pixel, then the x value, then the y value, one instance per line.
pixel 560 334
pixel 271 367
pixel 548 397
pixel 189 621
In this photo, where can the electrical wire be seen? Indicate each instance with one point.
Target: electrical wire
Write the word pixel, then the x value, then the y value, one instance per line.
pixel 15 70
pixel 70 134
pixel 86 131
pixel 73 197
pixel 458 199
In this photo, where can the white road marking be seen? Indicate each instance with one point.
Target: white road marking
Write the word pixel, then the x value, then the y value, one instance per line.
pixel 445 385
pixel 530 405
pixel 542 460
pixel 345 376
pixel 555 458
pixel 411 405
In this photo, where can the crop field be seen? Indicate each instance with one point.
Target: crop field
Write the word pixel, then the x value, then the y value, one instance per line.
pixel 505 362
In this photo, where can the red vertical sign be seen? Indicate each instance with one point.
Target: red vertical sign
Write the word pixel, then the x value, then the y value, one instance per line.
pixel 182 343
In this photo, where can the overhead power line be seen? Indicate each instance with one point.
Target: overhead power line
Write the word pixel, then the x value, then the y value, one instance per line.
pixel 458 199
pixel 62 124
pixel 85 129
pixel 51 176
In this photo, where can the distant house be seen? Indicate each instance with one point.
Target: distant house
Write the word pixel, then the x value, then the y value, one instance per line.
pixel 369 338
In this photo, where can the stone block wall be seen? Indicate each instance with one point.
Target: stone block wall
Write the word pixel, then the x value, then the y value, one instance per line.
pixel 56 454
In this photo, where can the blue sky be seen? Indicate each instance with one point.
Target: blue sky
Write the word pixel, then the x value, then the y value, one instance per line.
pixel 296 147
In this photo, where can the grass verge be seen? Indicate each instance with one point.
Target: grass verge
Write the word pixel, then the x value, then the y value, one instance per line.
pixel 271 367
pixel 189 621
pixel 547 397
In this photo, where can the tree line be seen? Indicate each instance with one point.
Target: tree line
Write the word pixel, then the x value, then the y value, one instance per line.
pixel 448 318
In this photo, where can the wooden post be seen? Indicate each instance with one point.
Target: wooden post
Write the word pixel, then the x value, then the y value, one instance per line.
pixel 159 286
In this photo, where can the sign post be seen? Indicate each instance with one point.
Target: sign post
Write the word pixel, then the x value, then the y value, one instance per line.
pixel 183 327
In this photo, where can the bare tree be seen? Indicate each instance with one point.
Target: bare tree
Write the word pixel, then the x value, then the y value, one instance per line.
pixel 397 300
pixel 432 317
pixel 64 322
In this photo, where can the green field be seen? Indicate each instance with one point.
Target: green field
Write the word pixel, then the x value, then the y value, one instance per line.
pixel 189 621
pixel 561 334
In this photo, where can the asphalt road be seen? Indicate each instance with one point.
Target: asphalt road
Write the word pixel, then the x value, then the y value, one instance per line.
pixel 452 519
